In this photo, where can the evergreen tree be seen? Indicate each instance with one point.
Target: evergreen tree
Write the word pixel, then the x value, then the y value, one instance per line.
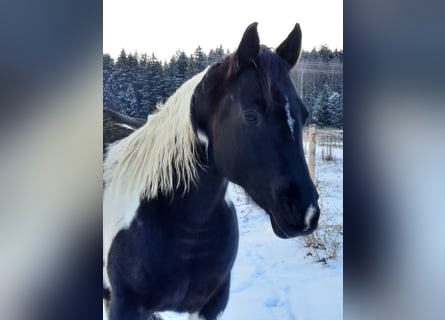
pixel 108 82
pixel 182 69
pixel 134 84
pixel 143 60
pixel 328 108
pixel 122 59
pixel 338 55
pixel 198 61
pixel 155 83
pixel 335 110
pixel 131 102
pixel 325 53
pixel 320 113
pixel 171 81
pixel 216 55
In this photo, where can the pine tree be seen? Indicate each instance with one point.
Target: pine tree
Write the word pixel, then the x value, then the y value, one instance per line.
pixel 134 84
pixel 320 113
pixel 132 102
pixel 335 110
pixel 108 82
pixel 157 83
pixel 325 53
pixel 171 80
pixel 216 55
pixel 199 60
pixel 122 59
pixel 182 69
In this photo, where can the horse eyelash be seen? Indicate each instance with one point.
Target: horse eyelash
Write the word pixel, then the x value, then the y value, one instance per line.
pixel 251 115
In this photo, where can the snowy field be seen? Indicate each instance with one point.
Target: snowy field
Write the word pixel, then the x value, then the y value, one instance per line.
pixel 275 279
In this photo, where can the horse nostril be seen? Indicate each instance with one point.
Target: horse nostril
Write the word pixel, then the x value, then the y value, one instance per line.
pixel 289 204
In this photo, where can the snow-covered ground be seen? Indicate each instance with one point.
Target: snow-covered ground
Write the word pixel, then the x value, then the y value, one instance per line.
pixel 274 279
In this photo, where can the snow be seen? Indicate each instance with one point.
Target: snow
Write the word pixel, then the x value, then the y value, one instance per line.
pixel 274 278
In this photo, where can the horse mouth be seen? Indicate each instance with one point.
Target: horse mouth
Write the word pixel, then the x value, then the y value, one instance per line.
pixel 286 230
pixel 288 218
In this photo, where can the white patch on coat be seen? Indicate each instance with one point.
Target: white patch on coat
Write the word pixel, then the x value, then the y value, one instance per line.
pixel 290 119
pixel 143 164
pixel 118 213
pixel 126 126
pixel 195 316
pixel 310 212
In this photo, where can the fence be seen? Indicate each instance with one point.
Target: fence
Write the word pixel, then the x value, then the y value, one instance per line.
pixel 325 138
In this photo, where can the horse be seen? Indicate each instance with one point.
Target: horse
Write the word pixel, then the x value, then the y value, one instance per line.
pixel 117 127
pixel 170 230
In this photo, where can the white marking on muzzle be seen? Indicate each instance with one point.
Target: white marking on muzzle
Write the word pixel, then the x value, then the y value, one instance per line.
pixel 227 197
pixel 310 212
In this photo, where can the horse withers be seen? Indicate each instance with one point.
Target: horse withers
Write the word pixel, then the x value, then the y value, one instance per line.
pixel 170 233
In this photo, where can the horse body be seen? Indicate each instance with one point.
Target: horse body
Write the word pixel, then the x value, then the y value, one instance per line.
pixel 179 260
pixel 174 252
pixel 117 126
pixel 170 234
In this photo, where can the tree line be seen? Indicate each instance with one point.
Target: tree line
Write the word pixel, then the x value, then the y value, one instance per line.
pixel 134 84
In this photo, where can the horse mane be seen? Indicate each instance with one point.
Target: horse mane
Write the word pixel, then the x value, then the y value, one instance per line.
pixel 161 156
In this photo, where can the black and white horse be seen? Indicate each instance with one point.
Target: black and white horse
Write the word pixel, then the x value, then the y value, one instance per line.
pixel 170 234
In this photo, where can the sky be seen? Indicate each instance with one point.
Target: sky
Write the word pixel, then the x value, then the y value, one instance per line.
pixel 165 26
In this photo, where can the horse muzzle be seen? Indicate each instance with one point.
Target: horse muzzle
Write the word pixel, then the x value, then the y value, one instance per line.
pixel 294 216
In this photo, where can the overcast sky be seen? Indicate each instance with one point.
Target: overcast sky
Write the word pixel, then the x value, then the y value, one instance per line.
pixel 164 26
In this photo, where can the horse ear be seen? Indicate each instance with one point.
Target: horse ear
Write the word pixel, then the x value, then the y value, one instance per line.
pixel 248 48
pixel 290 48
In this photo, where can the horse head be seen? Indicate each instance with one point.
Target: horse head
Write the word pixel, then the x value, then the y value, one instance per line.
pixel 248 113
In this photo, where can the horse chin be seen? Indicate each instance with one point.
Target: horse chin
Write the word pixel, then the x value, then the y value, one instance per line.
pixel 278 231
pixel 282 228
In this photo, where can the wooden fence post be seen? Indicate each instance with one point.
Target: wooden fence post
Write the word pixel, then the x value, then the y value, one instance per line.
pixel 311 155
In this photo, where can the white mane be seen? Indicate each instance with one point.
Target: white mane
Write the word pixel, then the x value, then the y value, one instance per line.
pixel 146 161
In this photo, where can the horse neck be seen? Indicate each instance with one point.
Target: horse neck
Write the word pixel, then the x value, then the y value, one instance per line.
pixel 203 201
pixel 212 183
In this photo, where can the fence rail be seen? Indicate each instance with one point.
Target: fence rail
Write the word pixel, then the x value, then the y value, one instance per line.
pixel 327 138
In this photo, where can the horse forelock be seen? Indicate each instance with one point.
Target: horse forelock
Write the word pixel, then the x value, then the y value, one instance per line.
pixel 161 156
pixel 272 69
pixel 269 68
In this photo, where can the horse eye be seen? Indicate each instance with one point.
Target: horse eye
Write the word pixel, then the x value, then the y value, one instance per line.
pixel 250 115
